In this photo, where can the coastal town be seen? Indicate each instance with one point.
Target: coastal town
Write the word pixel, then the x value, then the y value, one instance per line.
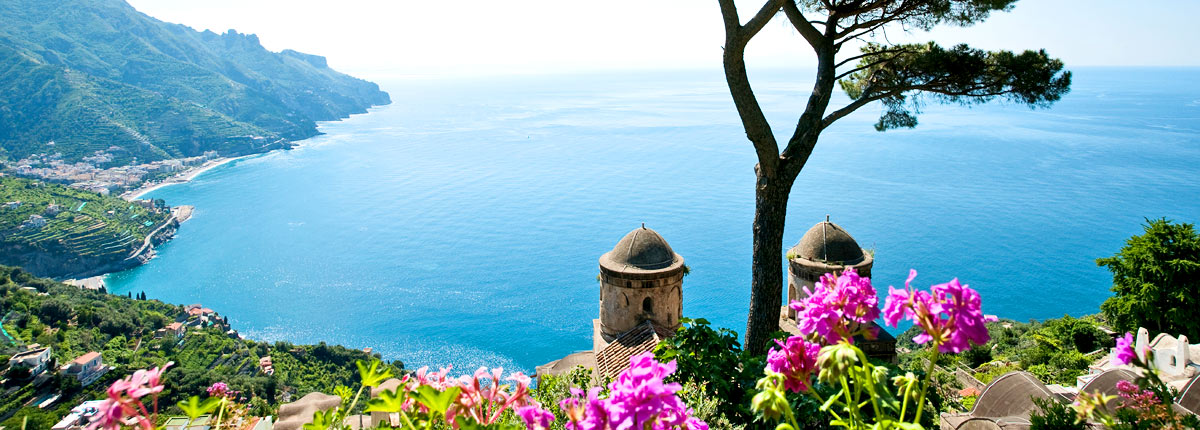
pixel 97 172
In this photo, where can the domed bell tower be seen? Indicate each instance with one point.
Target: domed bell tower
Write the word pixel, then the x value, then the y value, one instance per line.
pixel 641 279
pixel 825 248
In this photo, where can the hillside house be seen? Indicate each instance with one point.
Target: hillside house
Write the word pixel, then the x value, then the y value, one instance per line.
pixel 173 329
pixel 86 368
pixel 36 359
pixel 80 417
pixel 34 221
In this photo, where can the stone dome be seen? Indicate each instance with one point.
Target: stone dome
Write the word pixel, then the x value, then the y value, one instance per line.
pixel 642 250
pixel 828 242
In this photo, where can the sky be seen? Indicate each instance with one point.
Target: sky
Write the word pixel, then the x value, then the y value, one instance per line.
pixel 387 38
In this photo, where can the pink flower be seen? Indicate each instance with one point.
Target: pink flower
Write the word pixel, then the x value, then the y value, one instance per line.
pixel 218 389
pixel 951 314
pixel 144 382
pixel 1124 353
pixel 639 395
pixel 585 414
pixel 535 417
pixel 109 417
pixel 838 307
pixel 639 399
pixel 694 423
pixel 796 360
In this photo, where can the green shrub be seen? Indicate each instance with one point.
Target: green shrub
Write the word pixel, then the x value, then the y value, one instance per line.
pixel 1156 280
pixel 1053 415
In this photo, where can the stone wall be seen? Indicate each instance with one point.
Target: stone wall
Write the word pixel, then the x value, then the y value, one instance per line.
pixel 627 299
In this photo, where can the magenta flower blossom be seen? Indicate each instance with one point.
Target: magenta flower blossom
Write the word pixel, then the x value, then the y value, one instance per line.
pixel 218 389
pixel 639 395
pixel 590 413
pixel 1124 353
pixel 694 423
pixel 796 360
pixel 838 307
pixel 535 417
pixel 951 314
pixel 638 399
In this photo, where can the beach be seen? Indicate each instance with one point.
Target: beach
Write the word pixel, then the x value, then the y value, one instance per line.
pixel 181 177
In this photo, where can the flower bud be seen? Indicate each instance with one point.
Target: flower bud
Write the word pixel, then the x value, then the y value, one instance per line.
pixel 834 360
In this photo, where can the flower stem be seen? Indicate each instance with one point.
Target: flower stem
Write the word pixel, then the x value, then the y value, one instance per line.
pixel 353 403
pixel 812 391
pixel 792 417
pixel 851 403
pixel 925 384
pixel 221 412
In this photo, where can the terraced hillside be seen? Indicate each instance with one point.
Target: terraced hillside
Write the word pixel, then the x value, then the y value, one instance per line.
pixel 59 231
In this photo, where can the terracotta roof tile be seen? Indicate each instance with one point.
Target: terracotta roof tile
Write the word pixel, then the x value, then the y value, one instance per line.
pixel 614 358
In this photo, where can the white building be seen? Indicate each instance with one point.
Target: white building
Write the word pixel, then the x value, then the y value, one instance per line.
pixel 80 416
pixel 34 221
pixel 35 359
pixel 1173 357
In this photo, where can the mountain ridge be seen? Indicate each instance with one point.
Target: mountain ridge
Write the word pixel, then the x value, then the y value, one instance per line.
pixel 81 76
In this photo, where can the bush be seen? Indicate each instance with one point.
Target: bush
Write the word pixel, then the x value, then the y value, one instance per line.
pixel 1053 415
pixel 1156 280
pixel 714 360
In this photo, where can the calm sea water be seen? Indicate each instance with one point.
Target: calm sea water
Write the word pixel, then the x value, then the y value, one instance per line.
pixel 462 224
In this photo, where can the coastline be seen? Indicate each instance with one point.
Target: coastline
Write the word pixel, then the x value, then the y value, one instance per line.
pixel 180 178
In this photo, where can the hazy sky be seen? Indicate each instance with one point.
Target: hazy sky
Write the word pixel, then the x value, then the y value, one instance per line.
pixel 380 38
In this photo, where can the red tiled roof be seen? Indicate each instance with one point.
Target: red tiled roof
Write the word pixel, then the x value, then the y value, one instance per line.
pixel 614 358
pixel 85 358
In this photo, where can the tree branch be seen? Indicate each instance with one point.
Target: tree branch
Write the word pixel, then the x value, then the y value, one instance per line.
pixel 758 130
pixel 729 14
pixel 853 106
pixel 870 65
pixel 763 16
pixel 802 25
pixel 868 54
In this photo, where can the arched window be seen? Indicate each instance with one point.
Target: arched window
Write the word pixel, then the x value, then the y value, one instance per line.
pixel 647 305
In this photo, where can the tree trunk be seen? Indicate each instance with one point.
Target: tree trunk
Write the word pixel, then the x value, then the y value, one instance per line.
pixel 766 288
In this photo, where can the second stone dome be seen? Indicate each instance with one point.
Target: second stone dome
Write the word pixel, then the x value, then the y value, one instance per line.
pixel 829 243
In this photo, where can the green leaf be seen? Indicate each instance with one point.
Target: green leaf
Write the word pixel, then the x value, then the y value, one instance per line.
pixel 437 401
pixel 388 401
pixel 371 375
pixel 322 420
pixel 194 408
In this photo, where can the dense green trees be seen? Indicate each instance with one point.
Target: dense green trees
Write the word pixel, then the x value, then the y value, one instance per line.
pixel 116 325
pixel 900 76
pixel 1156 280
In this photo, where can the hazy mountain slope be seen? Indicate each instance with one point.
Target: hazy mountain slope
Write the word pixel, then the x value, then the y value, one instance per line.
pixel 84 72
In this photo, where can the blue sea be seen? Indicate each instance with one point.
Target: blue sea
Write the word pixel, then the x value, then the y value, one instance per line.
pixel 462 224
